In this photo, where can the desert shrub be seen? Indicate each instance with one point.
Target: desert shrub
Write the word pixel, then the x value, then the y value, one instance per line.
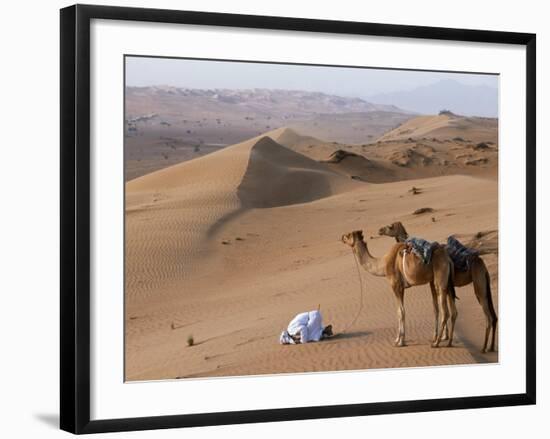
pixel 482 145
pixel 422 210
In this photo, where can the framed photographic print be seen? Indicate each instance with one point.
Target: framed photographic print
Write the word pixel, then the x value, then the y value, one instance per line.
pixel 304 218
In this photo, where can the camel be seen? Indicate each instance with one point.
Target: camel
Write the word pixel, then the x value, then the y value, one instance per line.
pixel 476 274
pixel 404 270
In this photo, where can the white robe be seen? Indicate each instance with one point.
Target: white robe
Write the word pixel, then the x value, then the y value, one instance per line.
pixel 308 325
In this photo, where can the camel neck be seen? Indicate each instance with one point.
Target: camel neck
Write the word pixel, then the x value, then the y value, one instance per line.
pixel 401 238
pixel 371 264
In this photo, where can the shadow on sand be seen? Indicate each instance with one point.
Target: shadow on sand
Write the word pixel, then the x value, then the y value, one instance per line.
pixel 347 335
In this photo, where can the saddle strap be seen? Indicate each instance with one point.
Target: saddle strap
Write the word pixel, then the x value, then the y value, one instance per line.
pixel 405 277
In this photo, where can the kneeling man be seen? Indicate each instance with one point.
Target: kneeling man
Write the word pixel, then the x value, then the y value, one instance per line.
pixel 305 327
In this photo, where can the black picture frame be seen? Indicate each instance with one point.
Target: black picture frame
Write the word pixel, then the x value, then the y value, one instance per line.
pixel 75 217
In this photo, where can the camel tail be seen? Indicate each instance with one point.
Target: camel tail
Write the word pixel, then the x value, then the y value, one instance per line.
pixel 490 298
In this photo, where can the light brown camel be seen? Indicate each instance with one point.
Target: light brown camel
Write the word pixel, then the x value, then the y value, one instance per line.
pixel 477 274
pixel 404 270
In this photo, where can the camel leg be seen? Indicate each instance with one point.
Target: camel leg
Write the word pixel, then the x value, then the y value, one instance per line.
pixel 445 335
pixel 399 292
pixel 454 313
pixel 487 332
pixel 443 314
pixel 482 291
pixel 494 327
pixel 436 311
pixel 490 325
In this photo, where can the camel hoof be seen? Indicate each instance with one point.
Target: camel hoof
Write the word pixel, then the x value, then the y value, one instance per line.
pixel 484 351
pixel 435 344
pixel 400 344
pixel 450 344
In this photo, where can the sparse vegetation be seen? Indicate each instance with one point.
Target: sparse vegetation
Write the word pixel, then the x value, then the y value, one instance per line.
pixel 423 210
pixel 481 146
pixel 190 340
pixel 339 155
pixel 479 161
pixel 446 112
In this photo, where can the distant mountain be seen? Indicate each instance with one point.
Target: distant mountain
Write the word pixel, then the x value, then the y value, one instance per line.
pixel 219 117
pixel 468 100
pixel 275 102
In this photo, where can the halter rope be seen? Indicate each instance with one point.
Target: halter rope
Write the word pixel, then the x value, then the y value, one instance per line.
pixel 360 295
pixel 405 277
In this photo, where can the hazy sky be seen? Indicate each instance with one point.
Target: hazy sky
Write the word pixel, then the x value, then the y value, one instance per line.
pixel 356 82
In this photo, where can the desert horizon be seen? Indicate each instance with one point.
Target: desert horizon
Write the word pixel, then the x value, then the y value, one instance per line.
pixel 235 209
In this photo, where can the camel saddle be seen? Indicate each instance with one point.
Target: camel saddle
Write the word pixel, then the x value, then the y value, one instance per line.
pixel 460 254
pixel 421 248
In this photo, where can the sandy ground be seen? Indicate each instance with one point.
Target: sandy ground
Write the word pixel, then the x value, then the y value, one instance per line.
pixel 228 247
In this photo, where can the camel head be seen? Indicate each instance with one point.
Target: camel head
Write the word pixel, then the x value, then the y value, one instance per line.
pixel 352 238
pixel 395 230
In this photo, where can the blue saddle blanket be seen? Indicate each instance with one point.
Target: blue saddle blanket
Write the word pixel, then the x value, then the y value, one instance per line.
pixel 422 248
pixel 460 254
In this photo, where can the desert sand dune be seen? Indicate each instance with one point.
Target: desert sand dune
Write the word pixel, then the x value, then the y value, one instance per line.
pixel 292 139
pixel 193 199
pixel 396 160
pixel 446 126
pixel 277 176
pixel 171 210
pixel 312 147
pixel 228 247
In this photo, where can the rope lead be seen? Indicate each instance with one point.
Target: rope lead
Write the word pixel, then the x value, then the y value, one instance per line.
pixel 360 297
